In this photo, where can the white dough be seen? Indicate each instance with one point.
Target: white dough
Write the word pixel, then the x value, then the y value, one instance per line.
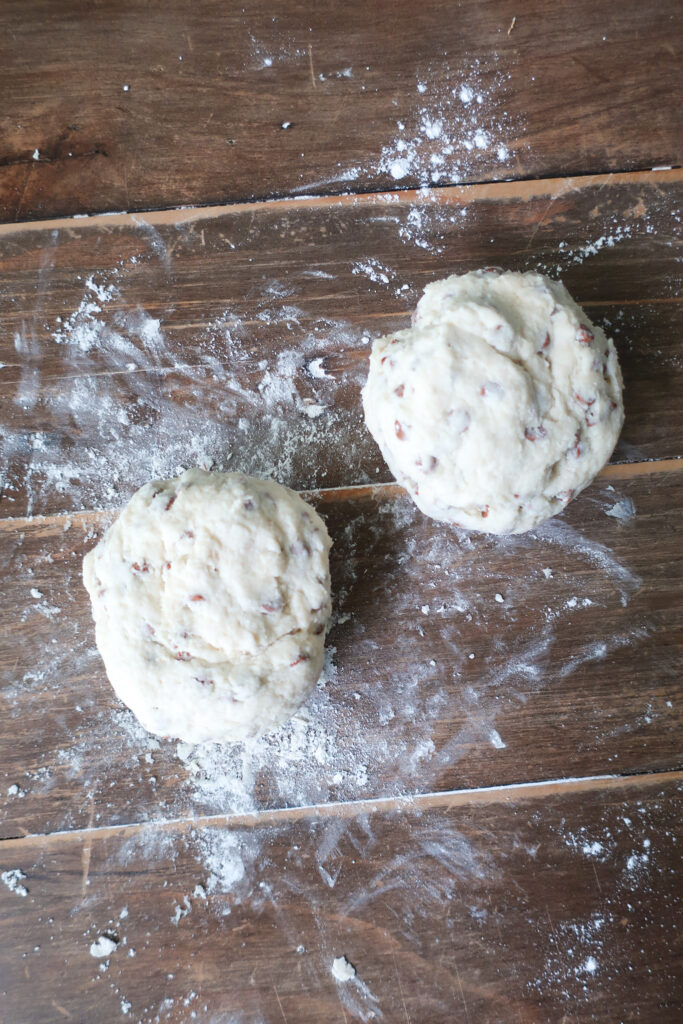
pixel 210 594
pixel 499 405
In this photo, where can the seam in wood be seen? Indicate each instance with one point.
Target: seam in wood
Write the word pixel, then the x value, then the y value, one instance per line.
pixel 461 194
pixel 510 793
pixel 330 495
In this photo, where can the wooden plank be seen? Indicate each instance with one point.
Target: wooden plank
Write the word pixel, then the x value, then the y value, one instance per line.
pixel 526 907
pixel 133 347
pixel 456 661
pixel 156 105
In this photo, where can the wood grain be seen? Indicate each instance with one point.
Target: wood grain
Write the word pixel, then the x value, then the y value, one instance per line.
pixel 572 669
pixel 141 105
pixel 133 347
pixel 508 908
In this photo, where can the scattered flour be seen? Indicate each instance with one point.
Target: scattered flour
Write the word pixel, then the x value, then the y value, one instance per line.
pixel 460 123
pixel 118 396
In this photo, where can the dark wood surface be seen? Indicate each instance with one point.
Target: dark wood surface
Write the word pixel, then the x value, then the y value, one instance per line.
pixel 567 89
pixel 532 905
pixel 480 805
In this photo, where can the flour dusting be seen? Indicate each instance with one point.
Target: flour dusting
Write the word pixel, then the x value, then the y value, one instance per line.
pixel 460 123
pixel 127 408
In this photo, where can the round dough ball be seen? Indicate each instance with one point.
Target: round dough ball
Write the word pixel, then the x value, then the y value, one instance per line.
pixel 499 405
pixel 210 594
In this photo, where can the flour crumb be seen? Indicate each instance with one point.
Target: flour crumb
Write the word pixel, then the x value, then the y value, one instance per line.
pixel 316 369
pixel 342 969
pixel 313 411
pixel 105 945
pixel 499 598
pixel 12 880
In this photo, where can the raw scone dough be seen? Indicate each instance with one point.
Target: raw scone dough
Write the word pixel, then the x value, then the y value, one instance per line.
pixel 211 593
pixel 499 405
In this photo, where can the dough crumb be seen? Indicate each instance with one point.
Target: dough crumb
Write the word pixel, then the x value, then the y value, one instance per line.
pixel 342 969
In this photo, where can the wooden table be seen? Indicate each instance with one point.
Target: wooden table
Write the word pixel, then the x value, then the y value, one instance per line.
pixel 479 808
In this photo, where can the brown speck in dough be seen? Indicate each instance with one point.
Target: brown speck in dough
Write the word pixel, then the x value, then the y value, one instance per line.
pixel 584 336
pixel 400 433
pixel 297 661
pixel 535 433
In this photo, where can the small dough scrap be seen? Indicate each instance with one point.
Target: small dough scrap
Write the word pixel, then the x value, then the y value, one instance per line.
pixel 499 405
pixel 342 969
pixel 211 595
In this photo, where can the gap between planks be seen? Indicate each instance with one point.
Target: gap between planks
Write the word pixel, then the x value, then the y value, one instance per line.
pixel 330 495
pixel 458 194
pixel 509 794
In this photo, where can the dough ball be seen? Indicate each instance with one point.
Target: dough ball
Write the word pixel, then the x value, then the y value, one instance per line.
pixel 499 404
pixel 210 594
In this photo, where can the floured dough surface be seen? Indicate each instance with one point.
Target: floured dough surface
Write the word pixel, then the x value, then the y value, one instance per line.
pixel 499 405
pixel 210 594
